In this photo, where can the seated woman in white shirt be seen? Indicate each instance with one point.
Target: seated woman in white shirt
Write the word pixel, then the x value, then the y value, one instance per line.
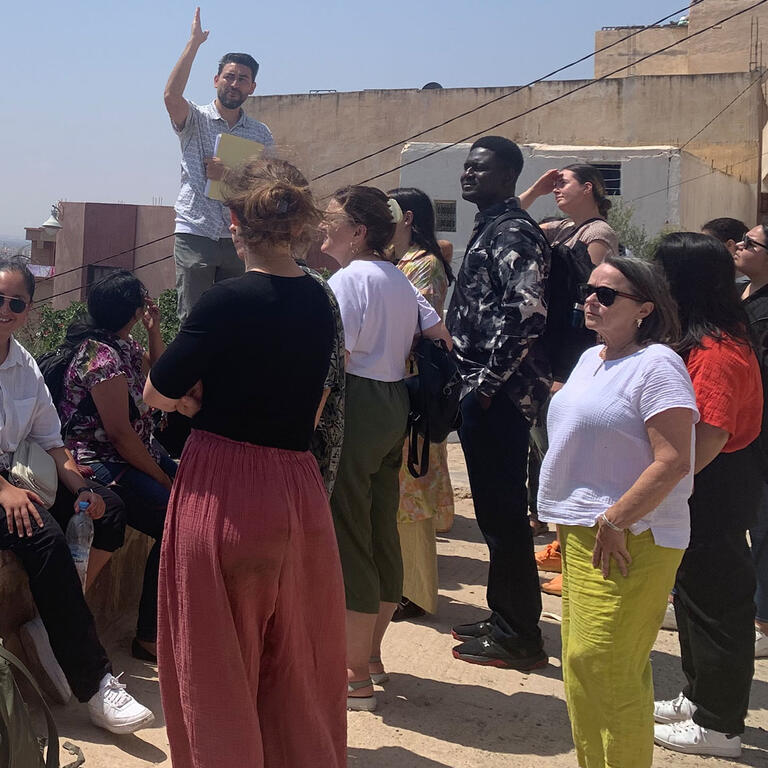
pixel 380 310
pixel 616 480
pixel 31 532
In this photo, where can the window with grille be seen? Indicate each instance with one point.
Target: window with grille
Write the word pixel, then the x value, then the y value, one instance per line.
pixel 445 215
pixel 612 177
pixel 96 273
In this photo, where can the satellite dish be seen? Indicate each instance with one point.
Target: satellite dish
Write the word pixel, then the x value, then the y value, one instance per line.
pixel 431 86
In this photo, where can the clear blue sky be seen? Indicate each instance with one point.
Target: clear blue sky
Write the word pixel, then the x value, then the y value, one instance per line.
pixel 83 114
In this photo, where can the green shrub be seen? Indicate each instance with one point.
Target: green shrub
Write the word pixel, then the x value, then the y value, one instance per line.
pixel 631 235
pixel 47 326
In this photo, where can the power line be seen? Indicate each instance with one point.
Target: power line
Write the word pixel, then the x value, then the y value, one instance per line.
pixel 695 178
pixel 107 258
pixel 582 87
pixel 88 285
pixel 416 135
pixel 562 96
pixel 760 77
pixel 500 98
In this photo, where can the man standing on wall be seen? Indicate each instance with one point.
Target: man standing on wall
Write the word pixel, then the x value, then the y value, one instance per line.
pixel 497 317
pixel 204 252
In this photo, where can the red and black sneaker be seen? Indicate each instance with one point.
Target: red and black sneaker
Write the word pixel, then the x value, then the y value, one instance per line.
pixel 470 631
pixel 490 653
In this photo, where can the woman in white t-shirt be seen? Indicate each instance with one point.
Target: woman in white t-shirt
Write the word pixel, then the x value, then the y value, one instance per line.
pixel 380 310
pixel 616 481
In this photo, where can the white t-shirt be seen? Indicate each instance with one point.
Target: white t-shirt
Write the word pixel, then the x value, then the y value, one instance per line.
pixel 379 309
pixel 599 446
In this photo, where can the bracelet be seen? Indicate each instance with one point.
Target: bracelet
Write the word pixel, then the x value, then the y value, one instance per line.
pixel 611 525
pixel 84 489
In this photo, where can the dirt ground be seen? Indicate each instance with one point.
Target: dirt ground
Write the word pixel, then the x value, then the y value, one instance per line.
pixel 436 712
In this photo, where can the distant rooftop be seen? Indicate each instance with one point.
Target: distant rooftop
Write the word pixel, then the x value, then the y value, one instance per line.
pixel 679 23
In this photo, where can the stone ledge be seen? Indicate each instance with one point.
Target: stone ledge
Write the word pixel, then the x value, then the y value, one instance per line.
pixel 115 593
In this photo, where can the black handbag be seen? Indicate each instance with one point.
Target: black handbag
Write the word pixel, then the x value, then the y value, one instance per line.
pixel 434 392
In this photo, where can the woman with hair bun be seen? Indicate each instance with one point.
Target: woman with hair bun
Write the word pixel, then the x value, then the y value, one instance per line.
pixel 579 191
pixel 251 635
pixel 380 310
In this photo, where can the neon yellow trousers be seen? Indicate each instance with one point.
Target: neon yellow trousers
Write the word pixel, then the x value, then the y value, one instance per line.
pixel 609 627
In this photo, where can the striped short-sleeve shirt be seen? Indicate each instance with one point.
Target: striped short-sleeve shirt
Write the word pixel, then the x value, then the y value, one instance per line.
pixel 197 214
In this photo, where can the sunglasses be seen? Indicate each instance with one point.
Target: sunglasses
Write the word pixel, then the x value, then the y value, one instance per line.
pixel 605 295
pixel 17 306
pixel 749 243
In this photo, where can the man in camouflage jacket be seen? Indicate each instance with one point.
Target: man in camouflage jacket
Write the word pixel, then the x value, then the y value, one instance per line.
pixel 497 318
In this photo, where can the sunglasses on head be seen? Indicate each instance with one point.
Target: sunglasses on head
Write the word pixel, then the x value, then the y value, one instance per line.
pixel 605 295
pixel 17 306
pixel 749 242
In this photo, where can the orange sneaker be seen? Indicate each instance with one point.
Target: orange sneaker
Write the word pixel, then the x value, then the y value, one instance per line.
pixel 554 587
pixel 548 559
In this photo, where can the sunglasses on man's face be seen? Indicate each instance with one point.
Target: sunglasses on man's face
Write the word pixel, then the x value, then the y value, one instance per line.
pixel 17 306
pixel 605 295
pixel 749 243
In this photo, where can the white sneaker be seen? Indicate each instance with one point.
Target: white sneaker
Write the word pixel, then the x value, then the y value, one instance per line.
pixel 114 709
pixel 44 667
pixel 670 620
pixel 761 644
pixel 691 738
pixel 673 710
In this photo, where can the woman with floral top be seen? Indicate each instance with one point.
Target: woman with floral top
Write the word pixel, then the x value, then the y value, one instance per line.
pixel 427 501
pixel 108 426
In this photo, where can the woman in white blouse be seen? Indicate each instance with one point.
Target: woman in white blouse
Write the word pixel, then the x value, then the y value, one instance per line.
pixel 31 532
pixel 380 310
pixel 616 481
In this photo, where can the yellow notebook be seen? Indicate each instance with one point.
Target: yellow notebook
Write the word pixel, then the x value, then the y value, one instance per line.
pixel 232 151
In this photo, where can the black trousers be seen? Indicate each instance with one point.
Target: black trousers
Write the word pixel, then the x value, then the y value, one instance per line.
pixel 59 598
pixel 495 444
pixel 714 593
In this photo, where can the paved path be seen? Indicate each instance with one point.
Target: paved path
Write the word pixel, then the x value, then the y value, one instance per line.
pixel 437 712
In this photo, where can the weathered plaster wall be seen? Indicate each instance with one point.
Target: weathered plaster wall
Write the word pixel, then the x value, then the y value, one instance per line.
pixel 321 132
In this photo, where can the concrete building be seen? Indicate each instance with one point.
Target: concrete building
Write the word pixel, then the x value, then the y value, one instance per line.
pixel 92 231
pixel 734 46
pixel 669 103
pixel 322 132
pixel 665 186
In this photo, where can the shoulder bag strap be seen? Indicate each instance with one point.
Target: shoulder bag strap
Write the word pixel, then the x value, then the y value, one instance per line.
pixel 52 758
pixel 413 436
pixel 574 230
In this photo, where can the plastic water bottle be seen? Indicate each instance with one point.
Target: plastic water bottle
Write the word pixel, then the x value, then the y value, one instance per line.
pixel 79 539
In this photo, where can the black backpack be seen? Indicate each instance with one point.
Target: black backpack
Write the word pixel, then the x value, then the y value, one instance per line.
pixel 434 394
pixel 53 365
pixel 565 337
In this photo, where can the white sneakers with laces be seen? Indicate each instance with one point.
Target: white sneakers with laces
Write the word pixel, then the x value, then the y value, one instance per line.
pixel 673 710
pixel 678 732
pixel 689 737
pixel 115 710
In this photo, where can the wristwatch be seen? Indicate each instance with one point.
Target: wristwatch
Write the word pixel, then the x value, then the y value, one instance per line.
pixel 84 489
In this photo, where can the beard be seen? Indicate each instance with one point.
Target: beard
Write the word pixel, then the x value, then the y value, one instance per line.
pixel 229 99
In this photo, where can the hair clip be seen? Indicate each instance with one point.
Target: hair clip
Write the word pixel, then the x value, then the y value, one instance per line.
pixel 395 210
